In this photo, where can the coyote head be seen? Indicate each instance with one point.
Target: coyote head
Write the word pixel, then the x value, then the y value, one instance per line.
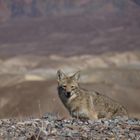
pixel 67 85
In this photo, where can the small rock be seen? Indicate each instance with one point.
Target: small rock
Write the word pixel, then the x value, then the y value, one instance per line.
pixel 132 135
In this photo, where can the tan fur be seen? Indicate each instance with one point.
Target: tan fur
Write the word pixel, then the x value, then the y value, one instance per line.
pixel 84 104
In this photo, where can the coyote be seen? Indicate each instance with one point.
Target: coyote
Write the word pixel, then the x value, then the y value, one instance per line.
pixel 84 104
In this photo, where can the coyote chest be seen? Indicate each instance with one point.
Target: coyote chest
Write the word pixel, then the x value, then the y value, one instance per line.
pixel 84 104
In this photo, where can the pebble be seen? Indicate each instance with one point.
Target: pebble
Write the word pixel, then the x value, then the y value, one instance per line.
pixel 51 127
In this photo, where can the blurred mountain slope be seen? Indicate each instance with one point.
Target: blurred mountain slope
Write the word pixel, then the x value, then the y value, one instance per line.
pixel 27 80
pixel 100 26
pixel 35 8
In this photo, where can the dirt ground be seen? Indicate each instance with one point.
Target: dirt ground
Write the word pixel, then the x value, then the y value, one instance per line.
pixel 34 98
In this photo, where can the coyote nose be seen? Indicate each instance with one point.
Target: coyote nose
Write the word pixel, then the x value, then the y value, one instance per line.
pixel 68 94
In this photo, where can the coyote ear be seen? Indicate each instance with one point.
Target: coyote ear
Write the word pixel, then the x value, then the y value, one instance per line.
pixel 60 75
pixel 76 76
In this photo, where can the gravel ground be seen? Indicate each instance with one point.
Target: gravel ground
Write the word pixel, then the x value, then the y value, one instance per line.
pixel 52 127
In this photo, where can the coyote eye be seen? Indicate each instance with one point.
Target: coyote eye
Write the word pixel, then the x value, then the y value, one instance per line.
pixel 64 86
pixel 72 86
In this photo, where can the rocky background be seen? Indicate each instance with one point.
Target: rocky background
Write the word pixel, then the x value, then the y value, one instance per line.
pixel 38 37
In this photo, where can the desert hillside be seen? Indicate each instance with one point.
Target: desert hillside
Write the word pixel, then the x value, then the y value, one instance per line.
pixel 94 27
pixel 43 8
pixel 28 82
